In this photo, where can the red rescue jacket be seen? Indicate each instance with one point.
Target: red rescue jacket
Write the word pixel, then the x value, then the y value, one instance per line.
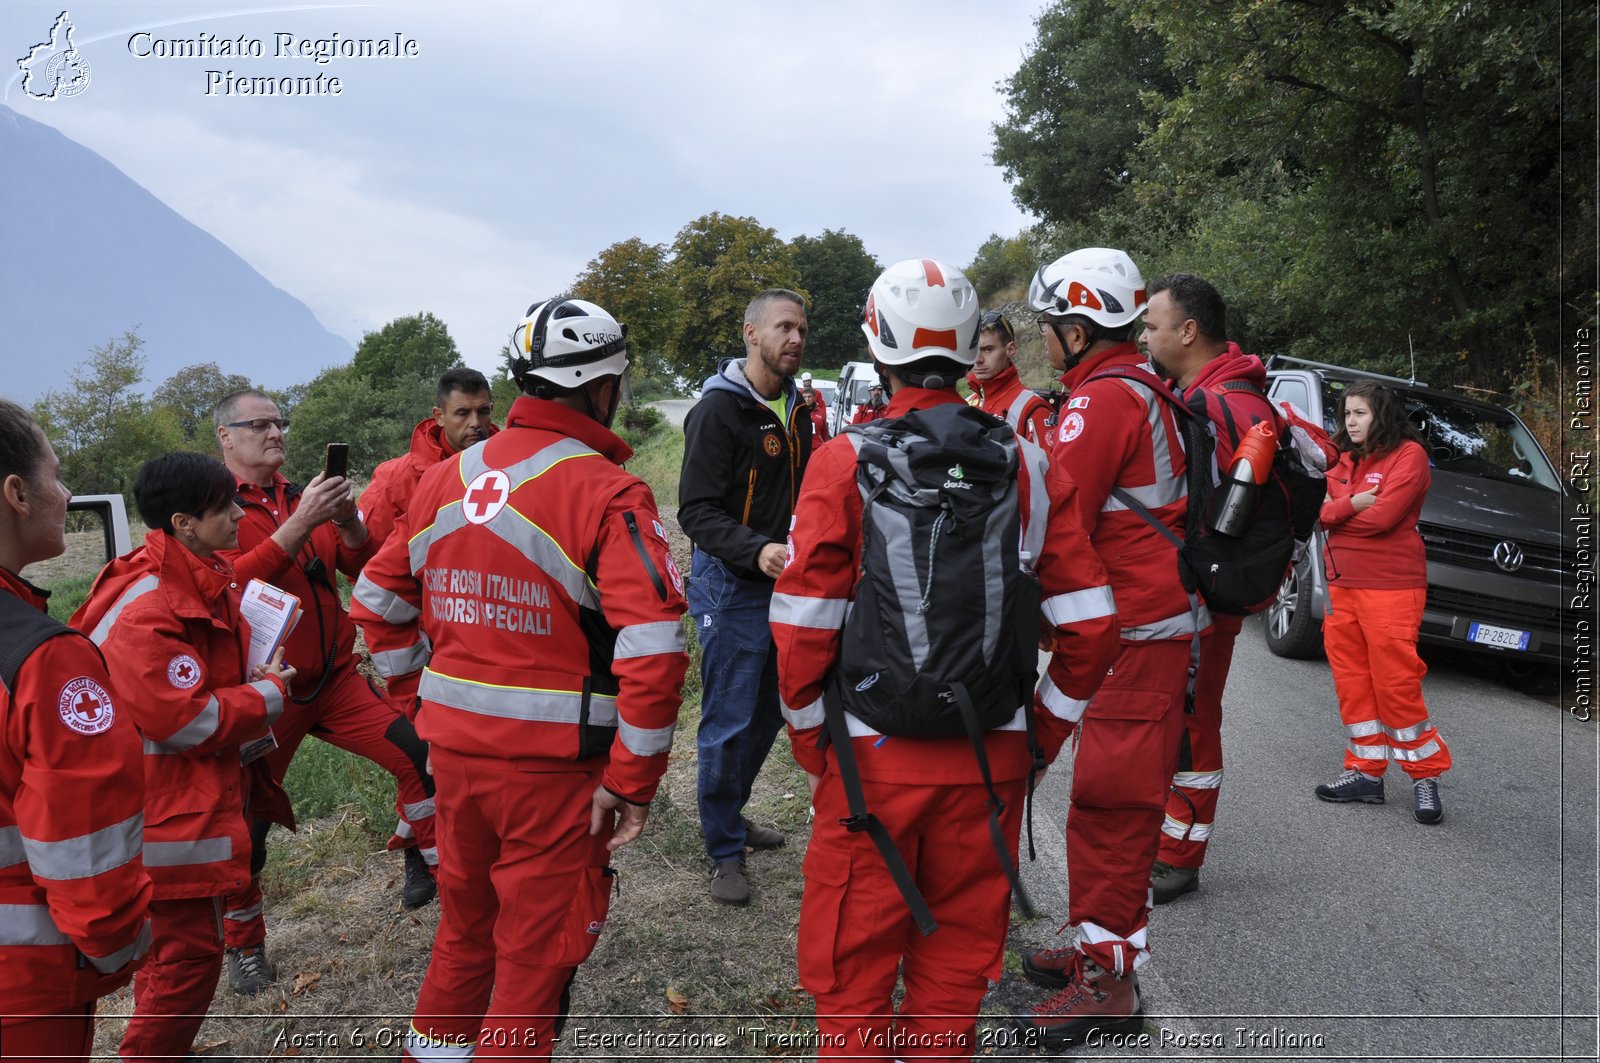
pixel 1004 396
pixel 168 623
pixel 817 586
pixel 1116 433
pixel 1378 547
pixel 534 609
pixel 1245 407
pixel 325 627
pixel 73 889
pixel 395 481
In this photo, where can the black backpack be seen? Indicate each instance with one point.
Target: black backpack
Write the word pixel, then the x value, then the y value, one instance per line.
pixel 942 637
pixel 1234 574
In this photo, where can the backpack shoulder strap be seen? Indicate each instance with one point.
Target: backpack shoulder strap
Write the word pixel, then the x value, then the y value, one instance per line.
pixel 1146 381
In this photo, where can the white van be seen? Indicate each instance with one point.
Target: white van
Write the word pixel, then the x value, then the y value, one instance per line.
pixel 854 380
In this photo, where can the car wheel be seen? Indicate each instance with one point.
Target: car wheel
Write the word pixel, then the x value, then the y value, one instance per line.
pixel 1532 677
pixel 1291 625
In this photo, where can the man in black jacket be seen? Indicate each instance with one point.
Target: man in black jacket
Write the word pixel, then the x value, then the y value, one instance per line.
pixel 746 443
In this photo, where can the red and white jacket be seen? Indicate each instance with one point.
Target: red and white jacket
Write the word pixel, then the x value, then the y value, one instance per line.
pixel 528 598
pixel 324 626
pixel 816 588
pixel 73 889
pixel 1378 547
pixel 1117 433
pixel 395 481
pixel 1004 396
pixel 168 623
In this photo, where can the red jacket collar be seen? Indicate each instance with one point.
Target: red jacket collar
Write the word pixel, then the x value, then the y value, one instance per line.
pixel 907 399
pixel 247 488
pixel 529 412
pixel 192 584
pixel 1121 354
pixel 428 444
pixel 34 596
pixel 1232 364
pixel 995 384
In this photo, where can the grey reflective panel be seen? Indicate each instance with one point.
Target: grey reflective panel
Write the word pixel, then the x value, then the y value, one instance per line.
pixel 29 924
pixel 140 588
pixel 1409 734
pixel 812 715
pixel 643 741
pixel 825 614
pixel 417 810
pixel 516 703
pixel 1422 752
pixel 87 855
pixel 272 695
pixel 122 957
pixel 1075 606
pixel 1363 728
pixel 389 606
pixel 11 851
pixel 201 727
pixel 390 663
pixel 645 640
pixel 181 854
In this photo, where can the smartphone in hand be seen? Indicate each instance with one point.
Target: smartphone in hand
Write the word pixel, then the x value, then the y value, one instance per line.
pixel 337 462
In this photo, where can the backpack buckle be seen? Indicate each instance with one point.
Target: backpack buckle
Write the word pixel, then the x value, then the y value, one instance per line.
pixel 854 824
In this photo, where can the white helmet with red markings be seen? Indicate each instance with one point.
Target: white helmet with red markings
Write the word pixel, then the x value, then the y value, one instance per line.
pixel 921 308
pixel 568 342
pixel 1100 283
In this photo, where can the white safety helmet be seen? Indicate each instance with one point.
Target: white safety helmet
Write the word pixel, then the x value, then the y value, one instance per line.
pixel 921 308
pixel 1100 283
pixel 568 342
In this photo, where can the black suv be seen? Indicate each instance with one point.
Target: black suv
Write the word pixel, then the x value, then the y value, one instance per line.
pixel 1491 524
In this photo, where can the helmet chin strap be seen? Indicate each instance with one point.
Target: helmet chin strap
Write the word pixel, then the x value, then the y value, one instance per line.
pixel 1069 359
pixel 611 407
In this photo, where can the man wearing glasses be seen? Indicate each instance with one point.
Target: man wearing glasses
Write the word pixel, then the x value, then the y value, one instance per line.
pixel 996 387
pixel 294 537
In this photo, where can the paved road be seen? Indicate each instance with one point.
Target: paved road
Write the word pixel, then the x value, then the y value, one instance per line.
pixel 675 410
pixel 1354 923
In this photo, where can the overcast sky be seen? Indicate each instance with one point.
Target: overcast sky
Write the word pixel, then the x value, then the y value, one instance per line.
pixel 484 172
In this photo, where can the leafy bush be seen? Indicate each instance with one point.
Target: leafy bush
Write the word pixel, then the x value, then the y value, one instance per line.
pixel 640 419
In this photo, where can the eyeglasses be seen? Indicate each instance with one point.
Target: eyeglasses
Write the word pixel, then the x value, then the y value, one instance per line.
pixel 994 319
pixel 261 424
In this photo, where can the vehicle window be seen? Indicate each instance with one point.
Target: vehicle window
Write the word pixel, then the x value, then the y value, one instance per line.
pixel 1290 389
pixel 858 390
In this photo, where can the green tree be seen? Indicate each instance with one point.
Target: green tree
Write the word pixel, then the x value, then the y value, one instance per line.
pixel 374 416
pixel 1004 264
pixel 191 394
pixel 1075 110
pixel 720 263
pixel 416 345
pixel 101 427
pixel 837 271
pixel 631 281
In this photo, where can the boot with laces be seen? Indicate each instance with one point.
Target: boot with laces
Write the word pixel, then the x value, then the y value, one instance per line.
pixel 1050 968
pixel 1093 1004
pixel 419 887
pixel 1168 883
pixel 1352 786
pixel 249 970
pixel 1427 808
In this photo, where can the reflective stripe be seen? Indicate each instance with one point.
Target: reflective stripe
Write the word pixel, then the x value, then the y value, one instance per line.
pixel 390 663
pixel 536 546
pixel 1200 832
pixel 1174 828
pixel 1095 934
pixel 29 924
pixel 801 719
pixel 387 605
pixel 430 856
pixel 1061 705
pixel 87 855
pixel 272 694
pixel 403 831
pixel 418 1046
pixel 1409 734
pixel 645 640
pixel 1368 752
pixel 1034 464
pixel 516 703
pixel 1198 780
pixel 1170 487
pixel 1422 752
pixel 1074 606
pixel 244 915
pixel 1014 411
pixel 415 811
pixel 646 741
pixel 183 854
pixel 122 957
pixel 1364 729
pixel 140 588
pixel 1172 627
pixel 11 851
pixel 796 610
pixel 197 730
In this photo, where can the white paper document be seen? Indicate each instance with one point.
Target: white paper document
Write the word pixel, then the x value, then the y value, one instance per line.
pixel 269 615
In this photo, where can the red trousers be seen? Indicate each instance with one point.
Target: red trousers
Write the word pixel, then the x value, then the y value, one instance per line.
pixel 69 1035
pixel 349 714
pixel 856 933
pixel 1192 799
pixel 525 890
pixel 172 992
pixel 1371 639
pixel 1127 750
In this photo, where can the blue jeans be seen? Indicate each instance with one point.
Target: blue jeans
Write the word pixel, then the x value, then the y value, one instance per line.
pixel 739 715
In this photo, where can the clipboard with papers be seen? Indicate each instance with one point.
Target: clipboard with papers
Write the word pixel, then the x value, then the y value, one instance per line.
pixel 268 614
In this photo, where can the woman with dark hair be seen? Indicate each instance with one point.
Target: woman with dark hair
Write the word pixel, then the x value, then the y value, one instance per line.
pixel 73 890
pixel 166 617
pixel 1377 583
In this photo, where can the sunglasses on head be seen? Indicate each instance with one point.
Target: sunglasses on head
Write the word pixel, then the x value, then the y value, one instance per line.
pixel 994 319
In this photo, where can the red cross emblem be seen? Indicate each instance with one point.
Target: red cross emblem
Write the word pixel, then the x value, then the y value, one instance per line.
pixel 486 496
pixel 85 707
pixel 183 671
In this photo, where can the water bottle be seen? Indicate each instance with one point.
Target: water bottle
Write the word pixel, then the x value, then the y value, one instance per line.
pixel 1233 503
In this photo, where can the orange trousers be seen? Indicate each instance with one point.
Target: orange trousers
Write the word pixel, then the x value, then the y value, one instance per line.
pixel 1371 639
pixel 856 934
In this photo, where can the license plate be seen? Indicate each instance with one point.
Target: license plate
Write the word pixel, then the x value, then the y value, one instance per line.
pixel 1504 638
